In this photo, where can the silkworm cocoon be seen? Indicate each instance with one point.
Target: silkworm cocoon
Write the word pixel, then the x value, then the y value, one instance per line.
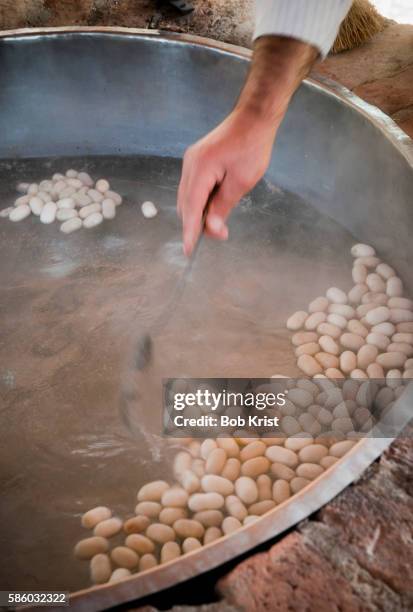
pixel 19 213
pixel 281 491
pixel 309 470
pixel 95 195
pixel 312 453
pixel 320 304
pixel 22 187
pixel 344 310
pixel 338 320
pixel 114 196
pixel 310 348
pixel 375 283
pixel 170 551
pixel 328 329
pixel 337 296
pixel 352 342
pixel 211 483
pixel 278 454
pixel 6 211
pixel 377 315
pixel 379 299
pixel 136 524
pixel 86 211
pixel 124 557
pixel 190 544
pixel 147 562
pixel 63 214
pixel 147 508
pixel 296 321
pixel 355 294
pixel 282 471
pixel 255 466
pixel 85 178
pixel 385 271
pixel 253 449
pixel 246 489
pixel 175 497
pixel 71 225
pixel 328 345
pixel 186 528
pixel 153 491
pixel 390 361
pixel 102 185
pixel 212 534
pixel 66 203
pixel 304 338
pixel 362 250
pixel 339 449
pixel 355 327
pixel 108 209
pixel 190 481
pixel 359 274
pixel 108 528
pixel 74 182
pixel 230 524
pixel 366 355
pixel 120 574
pixel 401 347
pixel 89 547
pixel 36 205
pixel 261 507
pixel 93 220
pixel 231 469
pixel 48 213
pixel 205 501
pixel 44 196
pixel 100 568
pixel 229 445
pixel 168 516
pixel 314 320
pixel 401 315
pixel 94 516
pixel 394 287
pixel 140 543
pixel 209 518
pixel 149 210
pixel 298 483
pixel 215 461
pixel 33 189
pixel 160 533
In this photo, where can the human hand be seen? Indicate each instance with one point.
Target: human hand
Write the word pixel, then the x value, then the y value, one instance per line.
pixel 224 165
pixel 219 170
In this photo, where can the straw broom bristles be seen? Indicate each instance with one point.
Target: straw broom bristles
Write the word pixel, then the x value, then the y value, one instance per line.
pixel 361 23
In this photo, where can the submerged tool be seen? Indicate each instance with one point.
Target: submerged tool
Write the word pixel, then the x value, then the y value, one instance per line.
pixel 144 347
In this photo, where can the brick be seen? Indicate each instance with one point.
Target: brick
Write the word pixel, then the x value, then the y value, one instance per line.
pixel 290 576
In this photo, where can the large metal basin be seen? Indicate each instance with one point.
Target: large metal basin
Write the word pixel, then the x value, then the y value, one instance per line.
pixel 118 92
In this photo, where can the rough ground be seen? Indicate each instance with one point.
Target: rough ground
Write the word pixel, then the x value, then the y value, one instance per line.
pixel 356 554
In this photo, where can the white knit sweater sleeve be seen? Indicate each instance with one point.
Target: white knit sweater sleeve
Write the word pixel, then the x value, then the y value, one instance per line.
pixel 312 21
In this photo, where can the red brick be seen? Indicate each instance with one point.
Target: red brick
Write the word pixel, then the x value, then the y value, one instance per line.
pixel 290 576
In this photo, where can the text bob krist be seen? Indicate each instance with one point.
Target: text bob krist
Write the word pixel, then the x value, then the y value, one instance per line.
pixel 204 398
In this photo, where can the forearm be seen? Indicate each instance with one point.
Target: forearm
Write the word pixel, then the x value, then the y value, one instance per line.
pixel 279 65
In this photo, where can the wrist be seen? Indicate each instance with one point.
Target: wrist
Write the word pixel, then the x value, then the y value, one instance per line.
pixel 278 66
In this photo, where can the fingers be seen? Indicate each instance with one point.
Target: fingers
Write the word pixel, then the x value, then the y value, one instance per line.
pixel 196 184
pixel 225 199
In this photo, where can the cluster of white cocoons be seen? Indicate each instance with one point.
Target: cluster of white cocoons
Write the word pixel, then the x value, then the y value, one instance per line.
pixel 74 199
pixel 221 485
pixel 366 333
